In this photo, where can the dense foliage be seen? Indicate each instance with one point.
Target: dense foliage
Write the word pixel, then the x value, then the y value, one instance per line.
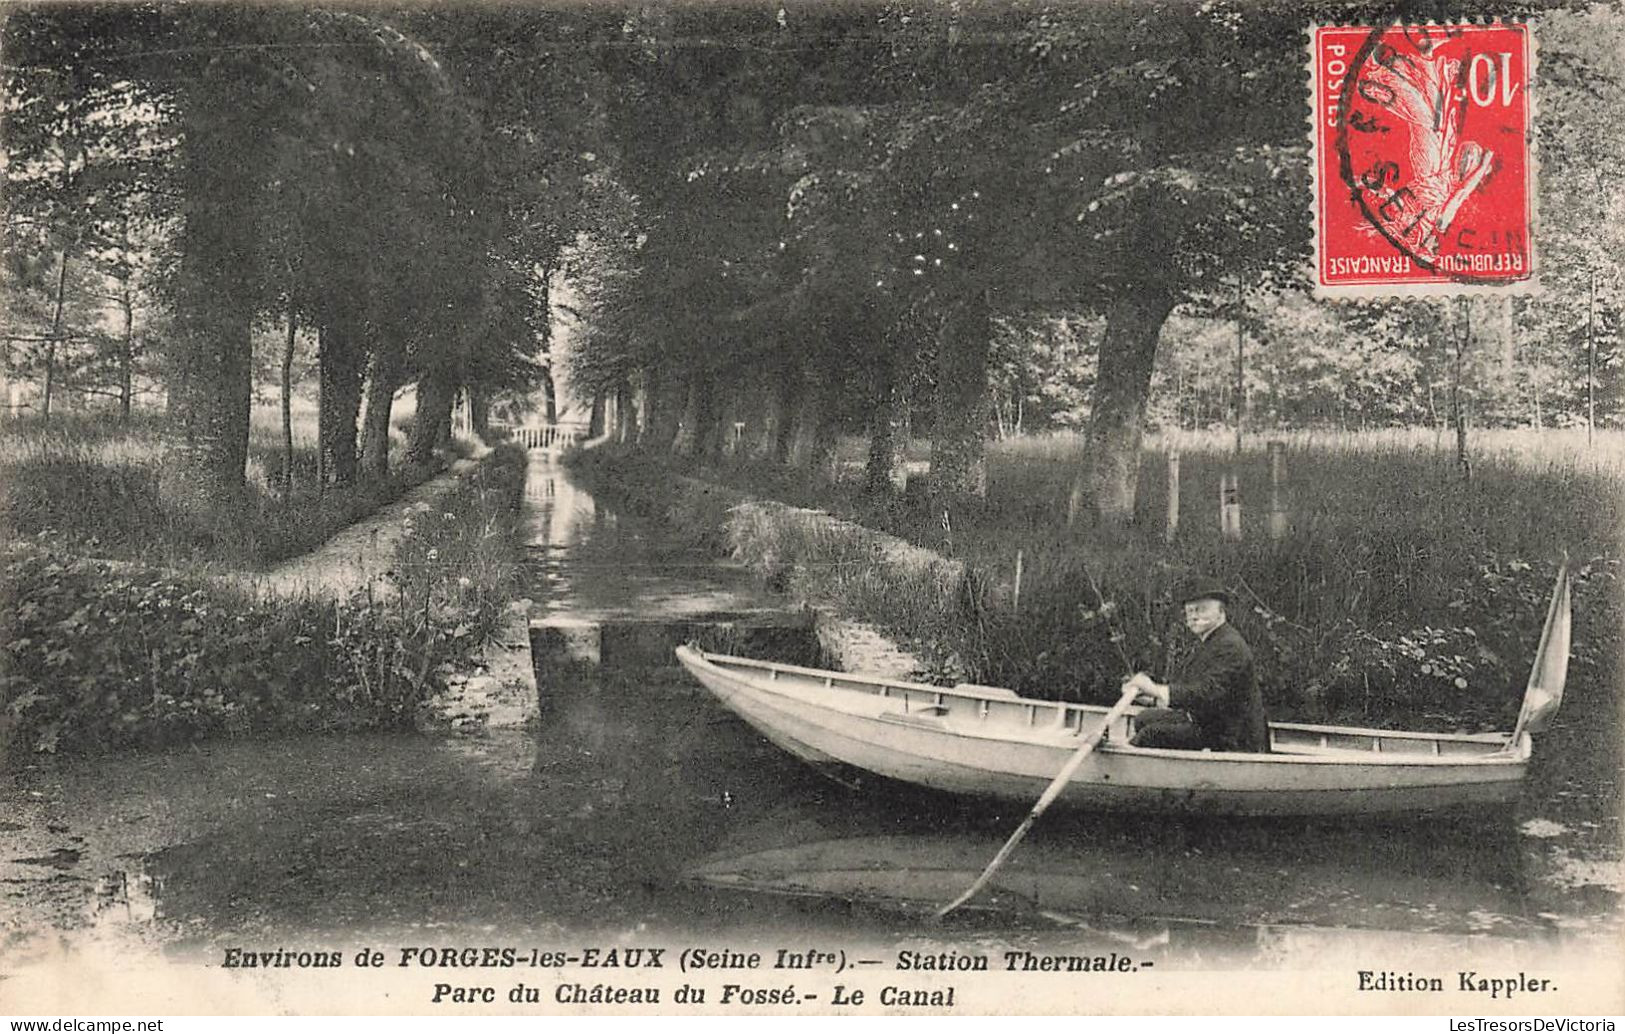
pixel 178 177
pixel 891 245
pixel 783 222
pixel 99 655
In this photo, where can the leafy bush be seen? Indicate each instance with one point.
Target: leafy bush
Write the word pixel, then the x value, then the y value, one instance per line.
pixel 96 655
pixel 99 656
pixel 460 557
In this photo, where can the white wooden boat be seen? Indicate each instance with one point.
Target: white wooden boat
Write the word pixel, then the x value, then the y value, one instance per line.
pixel 989 742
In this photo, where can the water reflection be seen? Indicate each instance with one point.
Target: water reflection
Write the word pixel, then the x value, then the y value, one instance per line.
pixel 126 898
pixel 557 512
pixel 1083 875
pixel 589 561
pixel 638 800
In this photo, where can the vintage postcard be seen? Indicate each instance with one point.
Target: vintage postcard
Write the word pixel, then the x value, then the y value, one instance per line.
pixel 811 508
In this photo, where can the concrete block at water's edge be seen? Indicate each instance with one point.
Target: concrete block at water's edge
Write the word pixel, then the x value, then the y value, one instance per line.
pixel 560 640
pixel 631 642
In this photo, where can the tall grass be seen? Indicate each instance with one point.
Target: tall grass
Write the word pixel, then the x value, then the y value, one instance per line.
pixel 94 488
pixel 1380 524
pixel 1401 593
pixel 1399 586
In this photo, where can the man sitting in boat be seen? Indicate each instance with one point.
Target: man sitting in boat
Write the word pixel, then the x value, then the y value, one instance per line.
pixel 1214 704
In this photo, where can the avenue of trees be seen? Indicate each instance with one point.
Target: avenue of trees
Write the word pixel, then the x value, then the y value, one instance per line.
pixel 802 219
pixel 217 171
pixel 960 212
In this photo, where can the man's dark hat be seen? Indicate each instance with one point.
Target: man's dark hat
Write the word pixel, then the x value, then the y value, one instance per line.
pixel 1205 589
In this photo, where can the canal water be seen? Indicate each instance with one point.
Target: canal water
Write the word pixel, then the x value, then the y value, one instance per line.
pixel 634 804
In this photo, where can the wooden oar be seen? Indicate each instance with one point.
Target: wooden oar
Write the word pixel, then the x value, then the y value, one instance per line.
pixel 1050 793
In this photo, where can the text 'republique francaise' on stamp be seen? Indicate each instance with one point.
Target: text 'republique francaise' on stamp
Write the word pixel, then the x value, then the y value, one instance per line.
pixel 1420 149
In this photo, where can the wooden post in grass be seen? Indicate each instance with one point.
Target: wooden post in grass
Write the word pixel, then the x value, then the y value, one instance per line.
pixel 1277 514
pixel 1591 362
pixel 1172 527
pixel 1229 507
pixel 1015 596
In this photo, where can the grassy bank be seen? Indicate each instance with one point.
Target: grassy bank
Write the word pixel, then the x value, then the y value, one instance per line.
pixel 1400 594
pixel 94 489
pixel 96 655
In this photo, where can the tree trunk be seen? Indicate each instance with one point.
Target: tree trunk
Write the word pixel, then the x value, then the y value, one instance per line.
pixel 437 391
pixel 383 378
pixel 1241 371
pixel 683 443
pixel 321 453
pixel 887 471
pixel 287 404
pixel 726 440
pixel 479 413
pixel 446 427
pixel 1179 396
pixel 215 287
pixel 177 388
pixel 784 431
pixel 595 424
pixel 216 401
pixel 50 381
pixel 763 430
pixel 1591 361
pixel 697 433
pixel 815 427
pixel 551 392
pixel 822 455
pixel 1127 357
pixel 958 466
pixel 662 421
pixel 638 432
pixel 625 413
pixel 126 359
pixel 56 335
pixel 1458 407
pixel 708 422
pixel 341 367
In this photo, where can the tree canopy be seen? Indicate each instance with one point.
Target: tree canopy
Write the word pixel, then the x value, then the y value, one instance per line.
pixel 798 218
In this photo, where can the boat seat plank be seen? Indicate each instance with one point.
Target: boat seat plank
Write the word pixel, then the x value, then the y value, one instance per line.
pixel 993 691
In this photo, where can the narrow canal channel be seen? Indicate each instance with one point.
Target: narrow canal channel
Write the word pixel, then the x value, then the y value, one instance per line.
pixel 635 804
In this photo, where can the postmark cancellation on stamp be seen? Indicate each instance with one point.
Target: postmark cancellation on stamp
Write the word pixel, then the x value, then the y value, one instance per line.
pixel 1422 165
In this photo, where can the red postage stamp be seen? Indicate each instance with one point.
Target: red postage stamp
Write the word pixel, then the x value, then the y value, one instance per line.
pixel 1424 178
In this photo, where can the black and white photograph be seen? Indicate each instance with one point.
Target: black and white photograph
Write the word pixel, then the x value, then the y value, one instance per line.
pixel 754 508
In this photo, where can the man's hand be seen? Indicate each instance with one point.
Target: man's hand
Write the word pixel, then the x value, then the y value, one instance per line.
pixel 1151 692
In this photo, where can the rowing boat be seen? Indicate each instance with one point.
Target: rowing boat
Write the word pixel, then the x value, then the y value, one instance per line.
pixel 988 742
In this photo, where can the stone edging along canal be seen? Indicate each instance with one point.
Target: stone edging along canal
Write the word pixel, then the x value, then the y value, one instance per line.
pixel 500 690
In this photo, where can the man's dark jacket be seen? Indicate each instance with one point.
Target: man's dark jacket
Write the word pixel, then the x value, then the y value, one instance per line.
pixel 1220 690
